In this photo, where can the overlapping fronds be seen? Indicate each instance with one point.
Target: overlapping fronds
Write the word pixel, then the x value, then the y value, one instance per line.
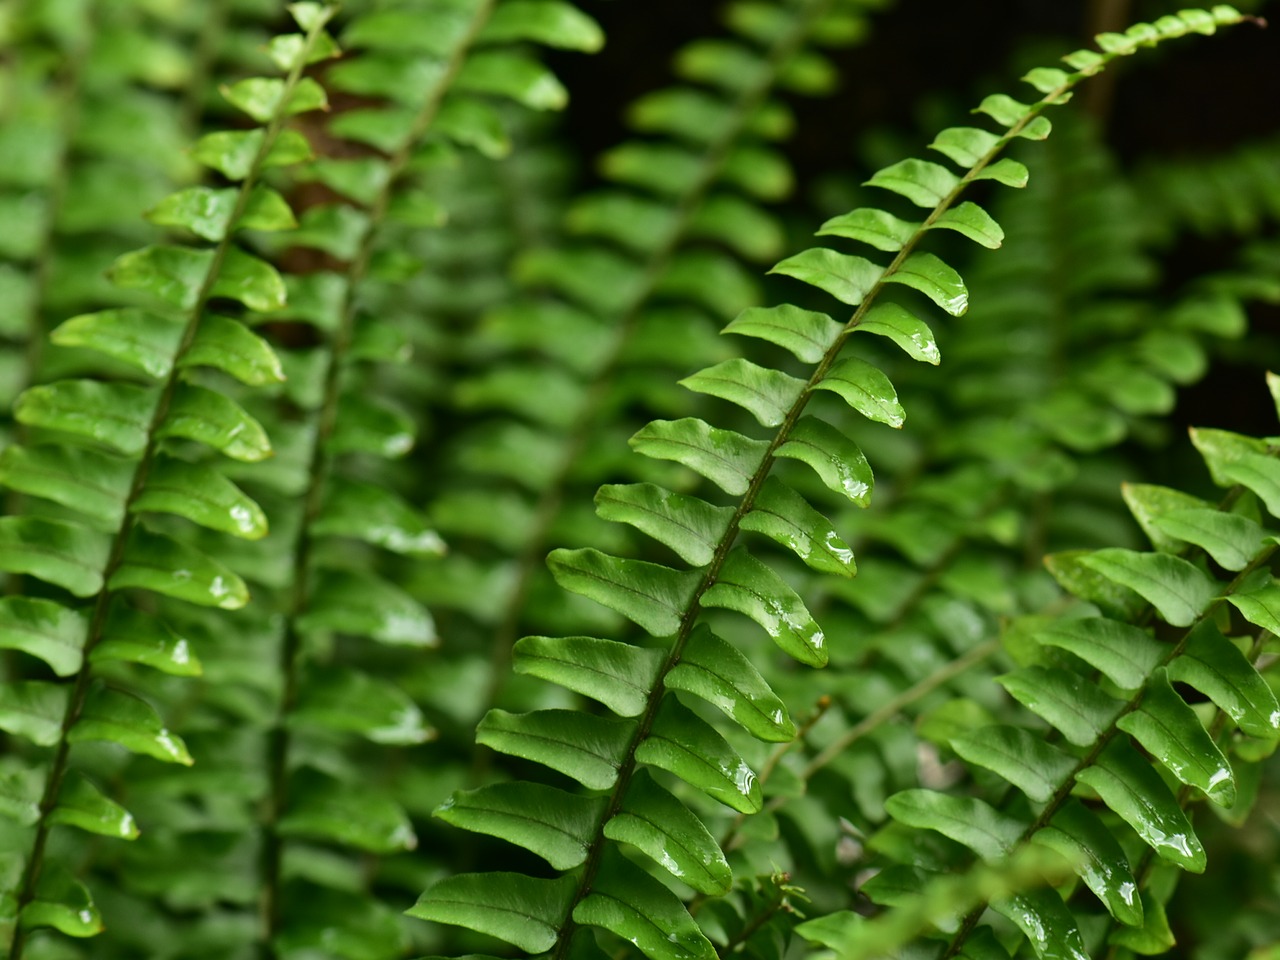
pixel 626 759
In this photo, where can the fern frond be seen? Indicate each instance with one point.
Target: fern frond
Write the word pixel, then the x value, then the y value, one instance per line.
pixel 605 753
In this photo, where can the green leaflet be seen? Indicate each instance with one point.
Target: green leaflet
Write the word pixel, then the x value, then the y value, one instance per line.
pixel 1153 937
pixel 805 333
pixel 1259 605
pixel 1232 540
pixel 230 346
pixel 1148 502
pixel 351 702
pixel 1077 708
pixel 1126 654
pixel 689 526
pixel 965 145
pixel 366 605
pixel 588 749
pixel 786 517
pixel 617 674
pixel 33 709
pixel 630 903
pixel 174 274
pixel 65 554
pixel 231 152
pixel 970 220
pixel 1021 757
pixel 153 561
pixel 1215 666
pixel 874 227
pixel 262 97
pixel 683 743
pixel 354 815
pixel 653 820
pixel 724 457
pixel 653 596
pixel 750 587
pixel 714 670
pixel 1129 786
pixel 513 75
pixel 907 331
pixel 865 388
pixel 135 637
pixel 936 280
pixel 556 825
pixel 1095 854
pixel 122 718
pixel 64 903
pixel 201 495
pixel 93 483
pixel 766 394
pixel 1232 458
pixel 1170 731
pixel 43 629
pixel 207 212
pixel 1177 589
pixel 368 512
pixel 1081 579
pixel 510 906
pixel 81 804
pixel 197 413
pixel 366 425
pixel 924 184
pixel 848 279
pixel 834 458
pixel 116 415
pixel 1047 923
pixel 144 340
pixel 980 827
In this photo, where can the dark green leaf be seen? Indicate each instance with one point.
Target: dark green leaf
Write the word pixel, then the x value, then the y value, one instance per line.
pixel 1152 937
pixel 154 561
pixel 907 331
pixel 1126 654
pixel 93 483
pixel 1082 580
pixel 1047 923
pixel 1169 730
pixel 691 527
pixel 1095 854
pixel 117 415
pixel 144 340
pixel 767 394
pixel 848 279
pixel 1070 704
pixel 33 709
pixel 806 333
pixel 365 605
pixel 712 669
pixel 750 587
pixel 588 749
pixel 43 629
pixel 725 457
pixel 355 815
pixel 522 911
pixel 1130 786
pixel 352 702
pixel 203 496
pixel 654 821
pixel 1178 590
pixel 556 825
pixel 786 517
pixel 866 389
pixel 368 512
pixel 936 280
pixel 1215 666
pixel 1260 605
pixel 683 743
pixel 366 425
pixel 122 718
pixel 81 804
pixel 1021 757
pixel 617 674
pixel 653 596
pixel 834 458
pixel 633 905
pixel 986 831
pixel 64 554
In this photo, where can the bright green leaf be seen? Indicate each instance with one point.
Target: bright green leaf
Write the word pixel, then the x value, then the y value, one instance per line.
pixel 865 388
pixel 122 718
pixel 589 749
pixel 154 561
pixel 848 279
pixel 556 825
pixel 834 458
pixel 682 743
pixel 750 587
pixel 617 674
